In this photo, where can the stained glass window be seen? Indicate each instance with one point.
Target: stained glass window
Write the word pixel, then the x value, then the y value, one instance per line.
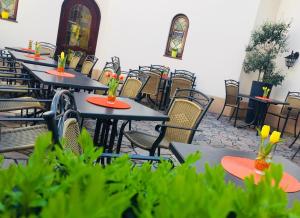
pixel 78 33
pixel 10 6
pixel 177 36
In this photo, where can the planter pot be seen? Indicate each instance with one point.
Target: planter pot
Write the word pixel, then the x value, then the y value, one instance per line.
pixel 174 54
pixel 4 14
pixel 256 90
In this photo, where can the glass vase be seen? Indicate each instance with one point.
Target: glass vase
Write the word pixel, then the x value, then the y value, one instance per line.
pixel 61 65
pixel 112 95
pixel 263 163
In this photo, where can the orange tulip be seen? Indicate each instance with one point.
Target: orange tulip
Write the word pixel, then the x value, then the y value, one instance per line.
pixel 107 74
pixel 121 77
pixel 114 75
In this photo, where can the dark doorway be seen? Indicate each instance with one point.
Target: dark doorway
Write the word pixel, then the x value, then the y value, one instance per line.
pixel 78 26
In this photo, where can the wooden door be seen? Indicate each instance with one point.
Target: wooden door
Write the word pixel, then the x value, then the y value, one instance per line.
pixel 78 26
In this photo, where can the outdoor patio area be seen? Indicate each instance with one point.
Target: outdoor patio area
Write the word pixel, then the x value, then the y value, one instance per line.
pixel 141 109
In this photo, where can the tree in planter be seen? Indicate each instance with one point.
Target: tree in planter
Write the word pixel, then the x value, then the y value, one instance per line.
pixel 266 43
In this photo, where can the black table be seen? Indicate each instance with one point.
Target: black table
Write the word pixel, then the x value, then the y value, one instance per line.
pixel 21 57
pixel 213 156
pixel 19 49
pixel 80 81
pixel 103 115
pixel 261 109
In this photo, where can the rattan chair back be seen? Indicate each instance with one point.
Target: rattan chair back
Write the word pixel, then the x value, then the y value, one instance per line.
pixel 88 65
pixel 133 84
pixel 152 86
pixel 71 132
pixel 293 98
pixel 75 59
pixel 181 79
pixel 160 68
pixel 48 48
pixel 232 92
pixel 187 112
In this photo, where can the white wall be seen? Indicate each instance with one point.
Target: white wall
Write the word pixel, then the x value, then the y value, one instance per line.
pixel 137 31
pixel 267 11
pixel 219 31
pixel 289 11
pixel 36 20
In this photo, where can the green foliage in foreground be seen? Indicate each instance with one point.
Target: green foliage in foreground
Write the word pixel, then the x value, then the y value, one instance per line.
pixel 60 184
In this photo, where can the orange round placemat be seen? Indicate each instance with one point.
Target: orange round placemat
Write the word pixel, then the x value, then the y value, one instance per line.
pixel 262 98
pixel 34 57
pixel 244 167
pixel 62 74
pixel 28 49
pixel 102 101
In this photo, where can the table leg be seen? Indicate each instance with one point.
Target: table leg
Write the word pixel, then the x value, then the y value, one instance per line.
pixel 97 131
pixel 255 119
pixel 162 94
pixel 113 135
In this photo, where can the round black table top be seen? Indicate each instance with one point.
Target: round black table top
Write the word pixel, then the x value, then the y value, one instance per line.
pixel 136 112
pixel 80 81
pixel 213 156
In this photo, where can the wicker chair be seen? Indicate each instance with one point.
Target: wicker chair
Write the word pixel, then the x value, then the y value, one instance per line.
pixel 185 115
pixel 48 48
pixel 75 59
pixel 181 79
pixel 160 68
pixel 22 139
pixel 134 84
pixel 290 111
pixel 232 99
pixel 151 89
pixel 88 65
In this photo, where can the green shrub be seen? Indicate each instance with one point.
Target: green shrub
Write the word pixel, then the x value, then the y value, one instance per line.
pixel 57 183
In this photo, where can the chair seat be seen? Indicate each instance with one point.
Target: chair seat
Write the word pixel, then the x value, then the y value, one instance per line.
pixel 20 138
pixel 144 140
pixel 15 105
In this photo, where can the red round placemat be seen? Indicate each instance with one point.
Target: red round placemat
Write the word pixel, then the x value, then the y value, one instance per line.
pixel 62 74
pixel 244 167
pixel 262 98
pixel 34 57
pixel 102 101
pixel 28 49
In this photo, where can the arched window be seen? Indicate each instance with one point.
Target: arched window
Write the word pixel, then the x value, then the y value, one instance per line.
pixel 9 7
pixel 177 36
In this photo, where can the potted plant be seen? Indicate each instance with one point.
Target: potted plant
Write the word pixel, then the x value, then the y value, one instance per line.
pixel 5 8
pixel 266 43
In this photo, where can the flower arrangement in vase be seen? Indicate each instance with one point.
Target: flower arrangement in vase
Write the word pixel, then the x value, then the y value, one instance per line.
pixel 61 62
pixel 266 91
pixel 113 85
pixel 37 50
pixel 265 154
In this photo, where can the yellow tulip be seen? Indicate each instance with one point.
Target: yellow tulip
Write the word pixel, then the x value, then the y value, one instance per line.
pixel 265 131
pixel 275 137
pixel 62 55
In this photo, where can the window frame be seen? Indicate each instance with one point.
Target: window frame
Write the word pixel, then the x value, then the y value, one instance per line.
pixel 167 52
pixel 14 17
